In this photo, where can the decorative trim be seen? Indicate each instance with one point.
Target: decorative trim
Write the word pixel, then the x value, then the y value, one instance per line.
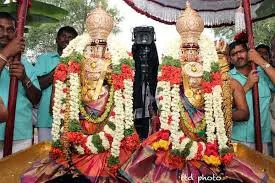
pixel 168 14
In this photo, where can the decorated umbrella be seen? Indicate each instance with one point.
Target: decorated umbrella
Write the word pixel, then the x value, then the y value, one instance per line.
pixel 215 13
pixel 39 13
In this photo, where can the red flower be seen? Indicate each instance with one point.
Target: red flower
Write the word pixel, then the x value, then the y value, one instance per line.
pixel 127 72
pixel 241 37
pixel 227 158
pixel 216 76
pixel 169 119
pixel 171 74
pixel 109 137
pixel 130 143
pixel 61 72
pixel 164 134
pixel 174 162
pixel 130 54
pixel 65 90
pixel 74 67
pixel 117 81
pixel 113 113
pixel 199 153
pixel 55 152
pixel 207 87
pixel 211 149
pixel 216 82
pixel 74 137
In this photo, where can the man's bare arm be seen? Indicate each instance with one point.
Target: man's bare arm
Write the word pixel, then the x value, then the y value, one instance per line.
pixel 241 112
pixel 3 112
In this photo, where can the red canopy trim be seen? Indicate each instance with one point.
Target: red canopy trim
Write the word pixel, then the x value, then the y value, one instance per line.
pixel 167 14
pixel 203 5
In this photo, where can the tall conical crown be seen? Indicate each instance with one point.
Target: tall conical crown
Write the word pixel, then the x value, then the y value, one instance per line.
pixel 189 25
pixel 99 24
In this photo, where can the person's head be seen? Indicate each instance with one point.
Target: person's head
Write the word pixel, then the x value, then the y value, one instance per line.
pixel 264 51
pixel 7 28
pixel 64 36
pixel 238 54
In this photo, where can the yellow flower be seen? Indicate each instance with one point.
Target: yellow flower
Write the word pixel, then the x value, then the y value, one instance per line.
pixel 212 160
pixel 164 144
pixel 155 145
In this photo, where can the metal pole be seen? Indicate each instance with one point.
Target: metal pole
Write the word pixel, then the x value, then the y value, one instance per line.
pixel 21 19
pixel 255 90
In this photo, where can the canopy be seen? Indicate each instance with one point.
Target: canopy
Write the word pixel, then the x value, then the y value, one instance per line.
pixel 214 12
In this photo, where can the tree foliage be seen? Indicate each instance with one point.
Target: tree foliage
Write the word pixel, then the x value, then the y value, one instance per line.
pixel 41 37
pixel 263 31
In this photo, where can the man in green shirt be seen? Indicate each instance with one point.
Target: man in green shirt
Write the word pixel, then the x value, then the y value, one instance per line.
pixel 241 58
pixel 44 67
pixel 28 87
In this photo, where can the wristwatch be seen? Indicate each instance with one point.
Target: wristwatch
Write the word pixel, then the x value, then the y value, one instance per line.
pixel 265 66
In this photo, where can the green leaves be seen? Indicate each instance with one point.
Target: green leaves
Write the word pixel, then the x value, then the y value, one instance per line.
pixel 127 61
pixel 168 60
pixel 74 126
pixel 112 160
pixel 57 144
pixel 263 31
pixel 39 12
pixel 77 57
pixel 128 132
pixel 42 36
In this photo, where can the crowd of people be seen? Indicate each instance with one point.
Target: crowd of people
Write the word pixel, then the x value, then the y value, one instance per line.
pixel 36 87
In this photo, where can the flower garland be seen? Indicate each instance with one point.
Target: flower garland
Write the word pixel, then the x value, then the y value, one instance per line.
pixel 169 100
pixel 58 109
pixel 215 150
pixel 119 130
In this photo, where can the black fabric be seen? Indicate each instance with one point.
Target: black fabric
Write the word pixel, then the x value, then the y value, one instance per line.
pixel 153 63
pixel 70 178
pixel 142 127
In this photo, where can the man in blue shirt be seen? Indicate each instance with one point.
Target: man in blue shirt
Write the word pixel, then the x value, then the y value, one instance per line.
pixel 241 58
pixel 28 87
pixel 45 67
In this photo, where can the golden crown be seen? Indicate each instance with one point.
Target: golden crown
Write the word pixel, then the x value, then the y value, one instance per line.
pixel 189 25
pixel 99 24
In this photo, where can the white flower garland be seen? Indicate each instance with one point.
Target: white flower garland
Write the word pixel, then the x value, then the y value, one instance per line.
pixel 208 115
pixel 128 104
pixel 119 122
pixel 193 151
pixel 58 106
pixel 74 96
pixel 208 53
pixel 90 145
pixel 78 45
pixel 219 117
pixel 79 149
pixel 165 103
pixel 213 101
pixel 175 113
